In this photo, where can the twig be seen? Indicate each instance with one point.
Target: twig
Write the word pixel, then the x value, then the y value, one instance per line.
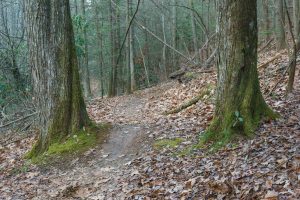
pixel 266 45
pixel 286 70
pixel 198 15
pixel 210 58
pixel 263 65
pixel 159 39
pixel 5 143
pixel 20 119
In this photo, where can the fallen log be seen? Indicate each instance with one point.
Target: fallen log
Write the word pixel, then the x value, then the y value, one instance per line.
pixel 263 65
pixel 194 100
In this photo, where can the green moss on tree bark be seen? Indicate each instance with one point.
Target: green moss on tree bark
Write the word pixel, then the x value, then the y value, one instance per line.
pixel 56 82
pixel 240 105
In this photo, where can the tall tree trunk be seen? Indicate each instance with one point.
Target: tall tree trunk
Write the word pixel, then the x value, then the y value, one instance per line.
pixel 292 66
pixel 128 74
pixel 163 64
pixel 85 66
pixel 111 88
pixel 144 62
pixel 56 83
pixel 99 23
pixel 147 49
pixel 76 7
pixel 239 103
pixel 280 22
pixel 296 46
pixel 117 46
pixel 266 19
pixel 174 34
pixel 130 49
pixel 296 7
pixel 195 40
pixel 10 60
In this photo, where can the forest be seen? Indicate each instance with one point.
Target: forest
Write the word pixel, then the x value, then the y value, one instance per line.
pixel 149 99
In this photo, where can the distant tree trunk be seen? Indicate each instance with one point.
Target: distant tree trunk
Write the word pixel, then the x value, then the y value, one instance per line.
pixel 130 49
pixel 99 23
pixel 163 65
pixel 11 70
pixel 239 103
pixel 195 40
pixel 56 83
pixel 128 74
pixel 174 34
pixel 296 46
pixel 117 46
pixel 280 22
pixel 76 7
pixel 144 62
pixel 296 7
pixel 111 86
pixel 147 49
pixel 85 66
pixel 266 19
pixel 292 66
pixel 10 59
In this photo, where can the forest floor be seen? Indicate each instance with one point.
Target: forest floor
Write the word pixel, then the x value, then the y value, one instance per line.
pixel 150 155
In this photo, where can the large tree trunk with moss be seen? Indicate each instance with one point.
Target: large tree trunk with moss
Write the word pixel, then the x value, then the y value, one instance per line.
pixel 56 83
pixel 239 103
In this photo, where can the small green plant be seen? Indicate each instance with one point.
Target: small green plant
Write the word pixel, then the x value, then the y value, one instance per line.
pixel 238 119
pixel 21 169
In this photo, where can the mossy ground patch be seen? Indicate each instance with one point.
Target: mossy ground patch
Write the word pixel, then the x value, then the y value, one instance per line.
pixel 167 143
pixel 74 145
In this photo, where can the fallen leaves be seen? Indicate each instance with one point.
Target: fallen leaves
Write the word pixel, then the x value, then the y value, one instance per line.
pixel 266 166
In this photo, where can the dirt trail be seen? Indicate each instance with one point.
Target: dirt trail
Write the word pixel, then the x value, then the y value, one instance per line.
pixel 103 167
pixel 125 139
pixel 98 173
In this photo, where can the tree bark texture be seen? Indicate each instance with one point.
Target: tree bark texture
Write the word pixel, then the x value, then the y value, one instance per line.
pixel 174 34
pixel 280 21
pixel 296 6
pixel 266 18
pixel 85 64
pixel 193 24
pixel 99 25
pixel 239 103
pixel 111 90
pixel 54 64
